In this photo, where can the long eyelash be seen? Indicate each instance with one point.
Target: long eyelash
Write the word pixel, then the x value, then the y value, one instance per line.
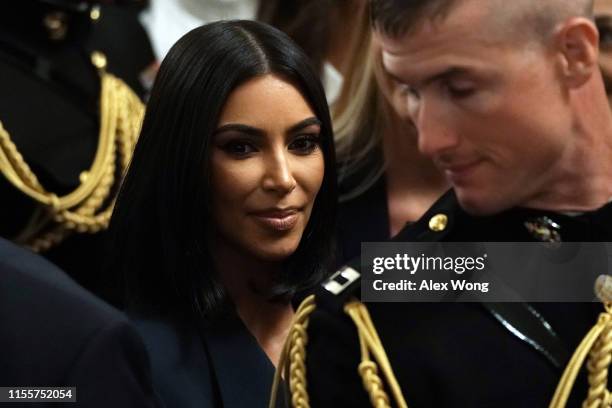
pixel 314 141
pixel 314 137
pixel 227 147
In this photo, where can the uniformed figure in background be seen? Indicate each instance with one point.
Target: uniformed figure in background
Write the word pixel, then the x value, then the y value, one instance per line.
pixel 67 125
pixel 56 334
pixel 509 102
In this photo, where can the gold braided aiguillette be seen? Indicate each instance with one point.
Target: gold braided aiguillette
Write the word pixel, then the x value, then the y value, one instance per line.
pixel 82 210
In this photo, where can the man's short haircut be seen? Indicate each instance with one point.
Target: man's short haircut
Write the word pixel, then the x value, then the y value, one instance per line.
pixel 398 17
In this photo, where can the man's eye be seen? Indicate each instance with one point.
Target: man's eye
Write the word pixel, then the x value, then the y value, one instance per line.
pixel 239 148
pixel 305 144
pixel 460 91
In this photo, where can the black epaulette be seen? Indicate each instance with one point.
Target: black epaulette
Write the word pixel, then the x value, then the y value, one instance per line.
pixel 343 285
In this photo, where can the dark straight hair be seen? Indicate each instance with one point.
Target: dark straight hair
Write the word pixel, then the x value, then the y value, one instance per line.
pixel 162 216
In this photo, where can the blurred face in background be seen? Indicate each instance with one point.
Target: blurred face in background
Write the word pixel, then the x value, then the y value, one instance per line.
pixel 267 168
pixel 603 19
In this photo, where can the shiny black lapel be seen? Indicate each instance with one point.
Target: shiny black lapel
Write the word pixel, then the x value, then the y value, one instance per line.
pixel 243 371
pixel 528 325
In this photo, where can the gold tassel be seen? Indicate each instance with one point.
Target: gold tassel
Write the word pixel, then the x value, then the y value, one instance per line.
pixel 368 369
pixel 597 344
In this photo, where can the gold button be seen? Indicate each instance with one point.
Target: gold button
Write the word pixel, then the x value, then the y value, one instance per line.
pixel 94 13
pixel 98 59
pixel 438 222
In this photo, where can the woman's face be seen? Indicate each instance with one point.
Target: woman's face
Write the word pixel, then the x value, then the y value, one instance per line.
pixel 267 167
pixel 603 18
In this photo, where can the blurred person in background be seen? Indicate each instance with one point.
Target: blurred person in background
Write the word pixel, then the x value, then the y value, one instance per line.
pixel 168 20
pixel 71 75
pixel 603 20
pixel 226 210
pixel 55 334
pixel 327 30
pixel 384 181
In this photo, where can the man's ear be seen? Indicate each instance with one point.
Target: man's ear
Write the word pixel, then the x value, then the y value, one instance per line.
pixel 577 42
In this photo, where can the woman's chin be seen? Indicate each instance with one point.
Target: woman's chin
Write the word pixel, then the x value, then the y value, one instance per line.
pixel 275 253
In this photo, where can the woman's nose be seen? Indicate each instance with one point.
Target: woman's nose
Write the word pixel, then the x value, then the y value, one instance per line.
pixel 278 175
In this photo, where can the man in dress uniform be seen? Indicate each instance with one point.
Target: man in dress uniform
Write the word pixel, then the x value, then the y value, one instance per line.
pixel 67 125
pixel 509 102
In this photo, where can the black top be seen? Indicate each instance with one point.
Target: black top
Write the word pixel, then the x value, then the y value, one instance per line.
pixel 215 365
pixel 55 334
pixel 459 354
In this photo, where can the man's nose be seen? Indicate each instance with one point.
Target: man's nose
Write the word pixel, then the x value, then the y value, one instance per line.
pixel 278 176
pixel 436 134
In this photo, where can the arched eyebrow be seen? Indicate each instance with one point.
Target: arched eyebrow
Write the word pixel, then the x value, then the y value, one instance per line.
pixel 304 124
pixel 237 127
pixel 253 131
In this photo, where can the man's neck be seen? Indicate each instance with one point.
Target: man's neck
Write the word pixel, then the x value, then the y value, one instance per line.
pixel 584 179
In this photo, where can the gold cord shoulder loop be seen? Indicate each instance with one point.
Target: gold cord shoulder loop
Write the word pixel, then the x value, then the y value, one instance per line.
pixel 88 207
pixel 295 351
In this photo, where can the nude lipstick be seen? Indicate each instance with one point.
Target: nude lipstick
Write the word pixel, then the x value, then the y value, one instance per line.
pixel 277 219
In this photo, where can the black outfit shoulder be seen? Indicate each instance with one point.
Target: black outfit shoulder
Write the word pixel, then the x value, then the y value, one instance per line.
pixel 214 365
pixel 57 334
pixel 460 354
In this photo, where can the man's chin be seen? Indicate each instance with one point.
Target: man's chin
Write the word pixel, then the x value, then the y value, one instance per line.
pixel 481 203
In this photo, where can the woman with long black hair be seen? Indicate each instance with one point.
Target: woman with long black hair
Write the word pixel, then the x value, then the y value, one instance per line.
pixel 226 212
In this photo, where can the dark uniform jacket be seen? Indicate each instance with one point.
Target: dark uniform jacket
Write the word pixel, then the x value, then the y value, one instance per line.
pixel 50 107
pixel 459 354
pixel 55 334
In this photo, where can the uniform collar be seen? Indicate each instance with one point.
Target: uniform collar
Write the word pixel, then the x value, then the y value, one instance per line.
pixel 519 319
pixel 509 225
